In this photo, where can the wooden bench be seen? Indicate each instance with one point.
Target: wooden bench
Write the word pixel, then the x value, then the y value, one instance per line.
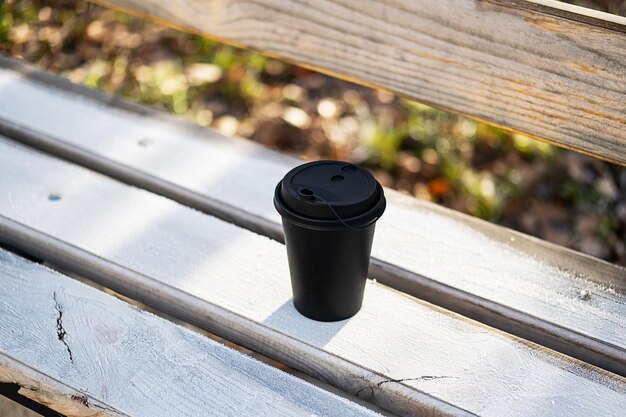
pixel 463 317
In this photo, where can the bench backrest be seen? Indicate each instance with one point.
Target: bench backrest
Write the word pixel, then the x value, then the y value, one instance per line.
pixel 553 71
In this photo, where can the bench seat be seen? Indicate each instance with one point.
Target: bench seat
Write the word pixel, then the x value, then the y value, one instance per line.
pixel 508 280
pixel 405 355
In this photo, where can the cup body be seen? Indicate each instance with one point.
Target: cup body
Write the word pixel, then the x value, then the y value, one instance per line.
pixel 329 210
pixel 328 269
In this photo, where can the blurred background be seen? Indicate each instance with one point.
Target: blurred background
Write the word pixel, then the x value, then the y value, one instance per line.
pixel 509 179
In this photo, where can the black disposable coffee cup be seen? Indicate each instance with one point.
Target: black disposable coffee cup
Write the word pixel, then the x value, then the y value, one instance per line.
pixel 329 211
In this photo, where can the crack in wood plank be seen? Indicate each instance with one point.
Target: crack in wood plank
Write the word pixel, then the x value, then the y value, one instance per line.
pixel 419 378
pixel 61 333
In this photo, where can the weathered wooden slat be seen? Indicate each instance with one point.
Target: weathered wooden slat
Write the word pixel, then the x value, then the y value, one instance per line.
pixel 82 352
pixel 505 279
pixel 551 71
pixel 401 353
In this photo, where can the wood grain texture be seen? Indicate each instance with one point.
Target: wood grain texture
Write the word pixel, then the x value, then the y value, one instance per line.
pixel 406 355
pixel 84 353
pixel 503 278
pixel 537 70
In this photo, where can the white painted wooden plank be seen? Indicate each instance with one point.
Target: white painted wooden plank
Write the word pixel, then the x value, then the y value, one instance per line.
pixel 402 353
pixel 62 338
pixel 503 278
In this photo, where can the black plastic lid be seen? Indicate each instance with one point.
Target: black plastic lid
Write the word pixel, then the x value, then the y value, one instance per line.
pixel 328 194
